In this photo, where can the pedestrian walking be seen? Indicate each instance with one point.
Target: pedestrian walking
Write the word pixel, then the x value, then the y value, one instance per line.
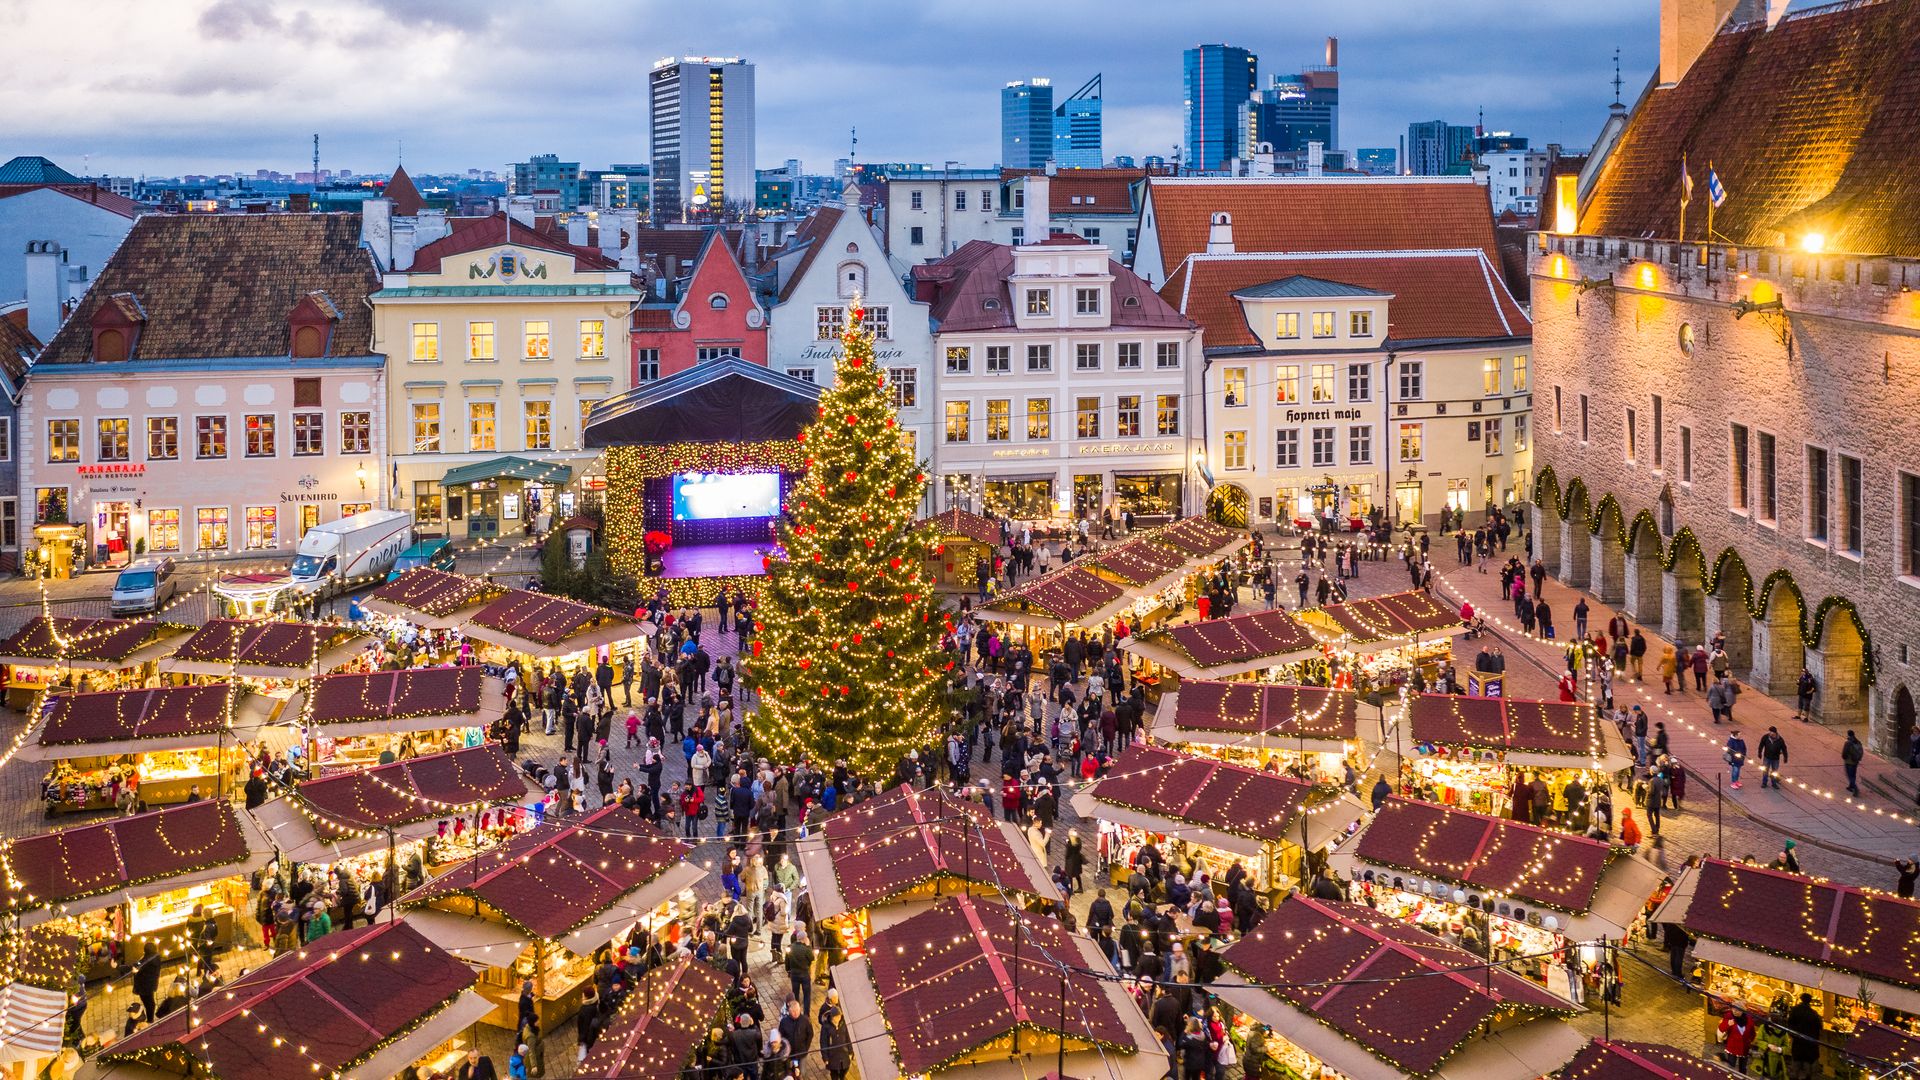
pixel 1580 611
pixel 1773 754
pixel 1804 691
pixel 1734 753
pixel 1851 753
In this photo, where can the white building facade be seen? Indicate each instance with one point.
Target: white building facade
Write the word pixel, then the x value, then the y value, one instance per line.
pixel 1516 179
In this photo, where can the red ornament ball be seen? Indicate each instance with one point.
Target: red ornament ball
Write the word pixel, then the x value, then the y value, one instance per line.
pixel 853 586
pixel 868 443
pixel 823 690
pixel 890 421
pixel 852 476
pixel 805 663
pixel 852 419
pixel 759 626
pixel 845 690
pixel 856 639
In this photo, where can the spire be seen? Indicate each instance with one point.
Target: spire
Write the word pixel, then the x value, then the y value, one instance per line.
pixel 404 196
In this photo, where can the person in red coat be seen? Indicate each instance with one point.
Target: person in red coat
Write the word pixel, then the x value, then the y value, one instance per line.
pixel 1737 1030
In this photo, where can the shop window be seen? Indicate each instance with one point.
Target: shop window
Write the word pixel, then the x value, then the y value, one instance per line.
pixel 212 535
pixel 538 416
pixel 163 529
pixel 262 527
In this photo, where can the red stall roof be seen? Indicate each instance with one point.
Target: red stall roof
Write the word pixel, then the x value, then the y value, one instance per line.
pixel 1505 724
pixel 1354 969
pixel 1139 561
pixel 659 1024
pixel 883 847
pixel 557 877
pixel 958 522
pixel 90 860
pixel 332 1008
pixel 1876 1042
pixel 537 617
pixel 435 593
pixel 164 712
pixel 254 643
pixel 1198 537
pixel 1816 922
pixel 1542 866
pixel 1602 1060
pixel 98 640
pixel 1237 639
pixel 1396 615
pixel 373 799
pixel 1241 801
pixel 391 695
pixel 1244 708
pixel 1071 594
pixel 949 983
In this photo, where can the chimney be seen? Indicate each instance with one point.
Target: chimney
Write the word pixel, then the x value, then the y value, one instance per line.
pixel 46 287
pixel 520 210
pixel 1220 234
pixel 1776 10
pixel 1687 27
pixel 406 242
pixel 376 230
pixel 577 230
pixel 620 238
pixel 1316 164
pixel 428 226
pixel 1036 214
pixel 1333 52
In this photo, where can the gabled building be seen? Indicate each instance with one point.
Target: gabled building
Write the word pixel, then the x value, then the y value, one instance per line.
pixel 499 338
pixel 712 314
pixel 216 391
pixel 930 214
pixel 1066 384
pixel 44 205
pixel 1371 359
pixel 833 257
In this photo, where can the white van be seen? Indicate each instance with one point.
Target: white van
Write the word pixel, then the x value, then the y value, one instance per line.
pixel 144 586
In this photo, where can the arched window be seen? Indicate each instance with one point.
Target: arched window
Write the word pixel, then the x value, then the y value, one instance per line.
pixel 718 301
pixel 308 341
pixel 109 346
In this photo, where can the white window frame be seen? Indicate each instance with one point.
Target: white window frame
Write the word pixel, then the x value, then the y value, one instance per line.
pixel 1286 448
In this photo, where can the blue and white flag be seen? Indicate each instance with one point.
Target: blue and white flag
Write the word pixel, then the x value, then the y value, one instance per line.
pixel 1714 191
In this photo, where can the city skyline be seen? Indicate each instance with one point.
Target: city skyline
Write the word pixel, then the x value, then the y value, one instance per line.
pixel 223 85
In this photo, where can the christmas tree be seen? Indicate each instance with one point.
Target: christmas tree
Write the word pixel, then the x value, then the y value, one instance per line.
pixel 848 662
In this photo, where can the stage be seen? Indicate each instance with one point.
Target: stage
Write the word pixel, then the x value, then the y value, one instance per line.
pixel 715 560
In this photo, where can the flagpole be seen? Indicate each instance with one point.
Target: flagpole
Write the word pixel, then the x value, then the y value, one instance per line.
pixel 1711 200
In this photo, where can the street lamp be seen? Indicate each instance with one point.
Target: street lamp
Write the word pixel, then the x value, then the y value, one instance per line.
pixel 360 474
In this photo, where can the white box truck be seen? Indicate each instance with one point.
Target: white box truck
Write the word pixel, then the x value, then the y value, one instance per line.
pixel 330 559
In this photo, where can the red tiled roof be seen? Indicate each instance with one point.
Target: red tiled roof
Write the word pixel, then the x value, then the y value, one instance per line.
pixel 1380 618
pixel 1437 295
pixel 958 522
pixel 654 317
pixel 341 1003
pixel 1542 866
pixel 158 713
pixel 1111 190
pixel 657 1028
pixel 1551 727
pixel 223 285
pixel 1196 536
pixel 809 238
pixel 18 346
pixel 499 229
pixel 93 194
pixel 1402 994
pixel 1602 1060
pixel 970 292
pixel 433 592
pixel 1346 214
pixel 87 860
pixel 1138 561
pixel 245 642
pixel 372 798
pixel 1818 922
pixel 540 617
pixel 1813 125
pixel 951 980
pixel 1236 639
pixel 1245 802
pixel 1069 593
pixel 1245 708
pixel 553 879
pixel 104 640
pixel 400 190
pixel 391 695
pixel 883 847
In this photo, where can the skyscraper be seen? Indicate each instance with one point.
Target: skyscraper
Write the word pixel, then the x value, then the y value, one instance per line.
pixel 1026 124
pixel 1076 128
pixel 1218 80
pixel 1295 110
pixel 1437 148
pixel 702 136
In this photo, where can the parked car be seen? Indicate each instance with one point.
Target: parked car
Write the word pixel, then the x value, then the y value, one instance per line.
pixel 144 586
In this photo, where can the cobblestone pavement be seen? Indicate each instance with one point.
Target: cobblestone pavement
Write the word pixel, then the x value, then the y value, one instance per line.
pixel 1653 1008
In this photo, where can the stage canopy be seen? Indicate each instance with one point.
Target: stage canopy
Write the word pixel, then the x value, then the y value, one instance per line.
pixel 729 400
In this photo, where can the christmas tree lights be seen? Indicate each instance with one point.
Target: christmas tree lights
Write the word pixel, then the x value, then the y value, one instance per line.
pixel 848 664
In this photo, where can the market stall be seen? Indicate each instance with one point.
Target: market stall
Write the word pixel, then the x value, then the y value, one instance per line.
pixel 1873 1048
pixel 888 857
pixel 1254 645
pixel 89 654
pixel 560 633
pixel 1200 541
pixel 349 721
pixel 273 654
pixel 1208 815
pixel 553 895
pixel 421 813
pixel 1142 566
pixel 961 539
pixel 33 1021
pixel 373 1002
pixel 1763 936
pixel 157 746
pixel 1050 607
pixel 1306 731
pixel 1377 643
pixel 148 874
pixel 958 990
pixel 430 599
pixel 655 1030
pixel 1603 1060
pixel 1529 893
pixel 1474 752
pixel 1352 994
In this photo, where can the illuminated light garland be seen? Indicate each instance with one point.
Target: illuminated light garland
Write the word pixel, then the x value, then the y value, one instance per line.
pixel 628 469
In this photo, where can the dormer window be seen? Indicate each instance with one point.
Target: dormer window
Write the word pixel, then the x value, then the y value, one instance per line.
pixel 1360 323
pixel 1323 324
pixel 718 301
pixel 116 327
pixel 310 325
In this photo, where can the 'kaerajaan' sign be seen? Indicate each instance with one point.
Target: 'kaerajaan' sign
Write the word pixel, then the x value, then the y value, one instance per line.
pixel 1092 449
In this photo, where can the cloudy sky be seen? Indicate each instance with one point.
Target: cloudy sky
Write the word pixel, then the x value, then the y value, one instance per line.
pixel 168 86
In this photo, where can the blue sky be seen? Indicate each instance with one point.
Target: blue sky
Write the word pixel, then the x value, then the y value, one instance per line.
pixel 169 86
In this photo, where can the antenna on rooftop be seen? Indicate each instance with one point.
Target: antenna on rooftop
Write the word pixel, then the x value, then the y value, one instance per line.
pixel 316 159
pixel 1616 75
pixel 853 145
